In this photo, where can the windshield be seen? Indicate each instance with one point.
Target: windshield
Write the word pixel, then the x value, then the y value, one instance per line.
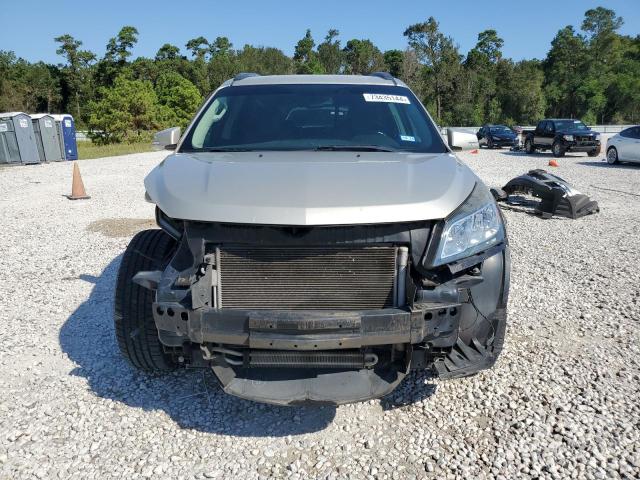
pixel 570 125
pixel 310 117
pixel 500 129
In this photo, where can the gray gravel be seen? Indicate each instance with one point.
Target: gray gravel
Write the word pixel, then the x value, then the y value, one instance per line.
pixel 563 400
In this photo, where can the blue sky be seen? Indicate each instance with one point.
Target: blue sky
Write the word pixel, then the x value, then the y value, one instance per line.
pixel 28 27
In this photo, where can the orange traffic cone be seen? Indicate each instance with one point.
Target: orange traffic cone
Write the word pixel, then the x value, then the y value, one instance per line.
pixel 77 187
pixel 553 163
pixel 474 151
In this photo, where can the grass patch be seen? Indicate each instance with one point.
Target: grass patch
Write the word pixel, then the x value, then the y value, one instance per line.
pixel 88 149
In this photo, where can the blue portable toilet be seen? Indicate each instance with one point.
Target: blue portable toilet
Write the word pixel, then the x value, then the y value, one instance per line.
pixel 67 135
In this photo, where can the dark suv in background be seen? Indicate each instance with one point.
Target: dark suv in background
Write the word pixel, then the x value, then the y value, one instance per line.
pixel 562 136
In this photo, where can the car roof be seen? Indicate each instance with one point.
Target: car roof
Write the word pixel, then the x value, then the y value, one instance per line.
pixel 314 79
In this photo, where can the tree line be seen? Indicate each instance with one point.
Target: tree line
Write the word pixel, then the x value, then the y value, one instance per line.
pixel 592 73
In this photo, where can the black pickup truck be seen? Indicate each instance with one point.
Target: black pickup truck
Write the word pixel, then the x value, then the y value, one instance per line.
pixel 561 136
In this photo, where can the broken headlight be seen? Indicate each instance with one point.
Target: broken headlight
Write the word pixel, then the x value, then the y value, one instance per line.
pixel 474 227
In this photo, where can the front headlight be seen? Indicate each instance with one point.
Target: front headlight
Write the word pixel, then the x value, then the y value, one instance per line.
pixel 568 138
pixel 474 227
pixel 496 138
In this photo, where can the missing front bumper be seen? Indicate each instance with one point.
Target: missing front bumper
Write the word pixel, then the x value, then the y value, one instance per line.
pixel 307 330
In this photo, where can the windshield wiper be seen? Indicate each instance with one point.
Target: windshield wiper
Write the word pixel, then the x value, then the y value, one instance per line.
pixel 226 149
pixel 353 148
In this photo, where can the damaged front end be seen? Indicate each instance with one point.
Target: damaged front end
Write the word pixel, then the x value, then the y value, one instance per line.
pixel 328 314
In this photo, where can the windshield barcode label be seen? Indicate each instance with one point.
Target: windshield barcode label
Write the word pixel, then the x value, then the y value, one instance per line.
pixel 381 97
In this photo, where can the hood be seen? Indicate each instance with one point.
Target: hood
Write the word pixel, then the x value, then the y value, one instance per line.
pixel 309 188
pixel 504 135
pixel 579 133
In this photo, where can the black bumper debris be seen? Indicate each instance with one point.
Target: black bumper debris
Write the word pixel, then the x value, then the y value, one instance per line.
pixel 556 196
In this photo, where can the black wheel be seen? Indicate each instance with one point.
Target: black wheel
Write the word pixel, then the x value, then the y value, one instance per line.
pixel 557 149
pixel 135 328
pixel 612 156
pixel 593 153
pixel 490 143
pixel 528 146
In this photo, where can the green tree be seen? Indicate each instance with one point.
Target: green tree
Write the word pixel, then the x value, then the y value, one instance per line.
pixel 520 93
pixel 167 52
pixel 220 46
pixel 480 80
pixel 623 92
pixel 605 50
pixel 441 62
pixel 490 45
pixel 13 92
pixel 199 48
pixel 393 62
pixel 305 57
pixel 178 98
pixel 362 57
pixel 124 111
pixel 76 72
pixel 263 60
pixel 565 66
pixel 119 47
pixel 330 54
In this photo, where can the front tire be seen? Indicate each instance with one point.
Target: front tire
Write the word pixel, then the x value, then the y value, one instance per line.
pixel 557 149
pixel 528 146
pixel 135 328
pixel 612 156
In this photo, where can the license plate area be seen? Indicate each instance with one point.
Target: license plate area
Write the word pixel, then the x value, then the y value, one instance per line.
pixel 304 331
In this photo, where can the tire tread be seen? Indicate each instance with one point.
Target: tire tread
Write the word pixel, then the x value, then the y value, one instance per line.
pixel 135 329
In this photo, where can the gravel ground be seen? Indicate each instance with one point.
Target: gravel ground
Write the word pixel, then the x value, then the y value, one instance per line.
pixel 562 401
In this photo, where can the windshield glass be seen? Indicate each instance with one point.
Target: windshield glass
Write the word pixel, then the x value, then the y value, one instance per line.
pixel 500 129
pixel 308 117
pixel 570 125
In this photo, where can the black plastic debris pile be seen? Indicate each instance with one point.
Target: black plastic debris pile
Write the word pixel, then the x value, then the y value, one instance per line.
pixel 541 193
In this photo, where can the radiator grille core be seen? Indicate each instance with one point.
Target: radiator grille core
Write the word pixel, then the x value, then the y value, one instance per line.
pixel 307 278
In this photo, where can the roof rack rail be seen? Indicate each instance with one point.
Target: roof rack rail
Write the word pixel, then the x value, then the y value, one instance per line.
pixel 243 75
pixel 385 75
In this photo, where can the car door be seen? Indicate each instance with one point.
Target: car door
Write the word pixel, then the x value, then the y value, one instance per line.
pixel 543 139
pixel 480 136
pixel 624 144
pixel 549 133
pixel 538 136
pixel 634 145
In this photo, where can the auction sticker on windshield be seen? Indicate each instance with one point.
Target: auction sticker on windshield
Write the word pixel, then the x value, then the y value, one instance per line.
pixel 383 97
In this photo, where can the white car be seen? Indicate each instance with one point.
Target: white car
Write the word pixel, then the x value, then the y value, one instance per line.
pixel 625 146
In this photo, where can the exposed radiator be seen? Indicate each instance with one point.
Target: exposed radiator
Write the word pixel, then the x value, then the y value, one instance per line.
pixel 307 278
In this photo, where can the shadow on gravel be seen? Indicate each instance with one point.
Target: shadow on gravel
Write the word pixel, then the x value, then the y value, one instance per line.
pixel 537 154
pixel 418 386
pixel 604 164
pixel 191 398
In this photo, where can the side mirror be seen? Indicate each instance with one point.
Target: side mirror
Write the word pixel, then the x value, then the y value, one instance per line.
pixel 461 139
pixel 166 139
